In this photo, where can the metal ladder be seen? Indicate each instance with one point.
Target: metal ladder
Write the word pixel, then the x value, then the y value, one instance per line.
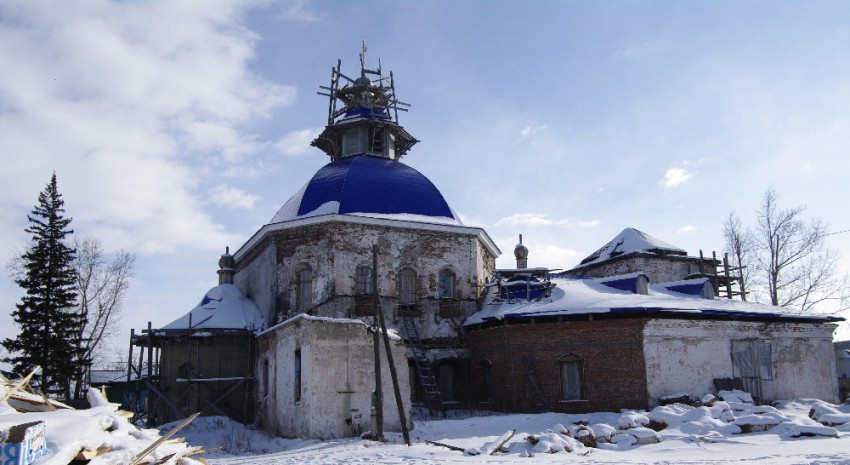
pixel 424 372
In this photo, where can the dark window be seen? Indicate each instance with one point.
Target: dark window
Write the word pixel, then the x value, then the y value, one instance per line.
pixel 363 280
pixel 297 372
pixel 571 377
pixel 407 287
pixel 304 289
pixel 446 285
pixel 266 378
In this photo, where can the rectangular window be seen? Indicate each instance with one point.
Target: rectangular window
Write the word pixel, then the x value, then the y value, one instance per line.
pixel 363 280
pixel 297 369
pixel 266 378
pixel 407 287
pixel 354 141
pixel 304 290
pixel 570 380
pixel 446 285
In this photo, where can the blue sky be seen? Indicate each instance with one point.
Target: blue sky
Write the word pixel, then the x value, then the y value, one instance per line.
pixel 179 128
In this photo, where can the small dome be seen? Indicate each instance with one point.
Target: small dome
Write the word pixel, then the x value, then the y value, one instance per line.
pixel 226 261
pixel 520 252
pixel 369 186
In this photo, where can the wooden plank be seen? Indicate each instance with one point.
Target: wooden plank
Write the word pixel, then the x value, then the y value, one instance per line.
pixel 160 441
pixel 19 384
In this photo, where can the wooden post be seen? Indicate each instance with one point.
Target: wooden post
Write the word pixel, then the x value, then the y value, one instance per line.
pixel 150 368
pixel 379 402
pixel 189 367
pixel 379 312
pixel 130 357
pixel 726 273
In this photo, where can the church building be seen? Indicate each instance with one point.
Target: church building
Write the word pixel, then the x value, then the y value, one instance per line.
pixel 368 235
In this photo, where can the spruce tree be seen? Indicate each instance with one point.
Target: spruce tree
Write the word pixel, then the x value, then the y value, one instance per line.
pixel 47 314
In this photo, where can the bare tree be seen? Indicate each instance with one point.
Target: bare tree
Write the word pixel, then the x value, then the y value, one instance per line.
pixel 789 261
pixel 102 285
pixel 740 243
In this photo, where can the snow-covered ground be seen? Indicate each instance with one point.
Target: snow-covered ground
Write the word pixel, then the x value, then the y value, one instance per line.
pixel 803 431
pixel 703 435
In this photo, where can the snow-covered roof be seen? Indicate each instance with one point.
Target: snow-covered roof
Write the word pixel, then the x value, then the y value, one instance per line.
pixel 581 296
pixel 369 186
pixel 223 307
pixel 630 240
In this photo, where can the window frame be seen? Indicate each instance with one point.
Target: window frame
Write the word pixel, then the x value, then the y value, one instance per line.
pixel 303 288
pixel 451 277
pixel 407 296
pixel 363 281
pixel 567 391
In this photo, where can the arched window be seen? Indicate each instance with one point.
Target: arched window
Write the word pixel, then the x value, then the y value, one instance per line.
pixel 304 289
pixel 446 284
pixel 407 287
pixel 571 377
pixel 363 280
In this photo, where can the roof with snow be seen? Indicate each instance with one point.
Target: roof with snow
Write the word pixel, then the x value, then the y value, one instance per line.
pixel 223 307
pixel 369 186
pixel 630 240
pixel 574 296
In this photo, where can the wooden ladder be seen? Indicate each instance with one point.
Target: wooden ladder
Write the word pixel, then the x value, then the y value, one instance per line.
pixel 424 371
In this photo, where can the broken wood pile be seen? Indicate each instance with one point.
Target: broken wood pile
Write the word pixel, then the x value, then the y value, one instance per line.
pixel 79 436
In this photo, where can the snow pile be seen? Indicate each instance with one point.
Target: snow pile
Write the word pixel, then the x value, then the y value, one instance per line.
pixel 102 431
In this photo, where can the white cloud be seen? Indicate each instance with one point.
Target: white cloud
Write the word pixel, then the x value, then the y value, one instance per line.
pixel 675 176
pixel 541 219
pixel 687 229
pixel 529 131
pixel 136 107
pixel 295 10
pixel 232 197
pixel 297 143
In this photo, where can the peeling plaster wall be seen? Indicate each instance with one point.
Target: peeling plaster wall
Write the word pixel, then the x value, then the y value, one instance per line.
pixel 337 379
pixel 256 278
pixel 684 356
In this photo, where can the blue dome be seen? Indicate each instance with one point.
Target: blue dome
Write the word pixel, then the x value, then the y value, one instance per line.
pixel 369 186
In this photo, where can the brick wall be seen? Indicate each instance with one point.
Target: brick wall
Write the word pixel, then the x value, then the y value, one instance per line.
pixel 660 269
pixel 614 375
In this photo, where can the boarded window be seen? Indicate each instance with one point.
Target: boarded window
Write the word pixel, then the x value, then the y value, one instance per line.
pixel 446 285
pixel 571 377
pixel 354 141
pixel 407 287
pixel 266 378
pixel 751 361
pixel 363 280
pixel 304 289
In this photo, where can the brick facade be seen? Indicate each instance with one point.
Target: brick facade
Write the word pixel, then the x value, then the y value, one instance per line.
pixel 610 350
pixel 659 268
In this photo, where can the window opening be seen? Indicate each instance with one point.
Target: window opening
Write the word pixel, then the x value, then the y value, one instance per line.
pixel 363 280
pixel 297 370
pixel 446 285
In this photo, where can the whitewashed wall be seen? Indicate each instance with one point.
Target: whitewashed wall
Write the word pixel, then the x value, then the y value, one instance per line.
pixel 337 372
pixel 684 356
pixel 258 280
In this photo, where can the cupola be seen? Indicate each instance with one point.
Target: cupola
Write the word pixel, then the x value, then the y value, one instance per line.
pixel 363 115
